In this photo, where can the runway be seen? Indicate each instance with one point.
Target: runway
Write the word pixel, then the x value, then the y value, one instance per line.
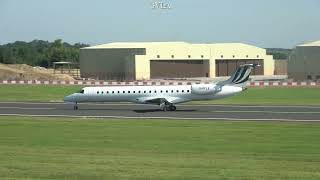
pixel 184 111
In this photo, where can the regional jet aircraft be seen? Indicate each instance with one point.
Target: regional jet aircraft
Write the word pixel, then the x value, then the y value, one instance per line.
pixel 165 96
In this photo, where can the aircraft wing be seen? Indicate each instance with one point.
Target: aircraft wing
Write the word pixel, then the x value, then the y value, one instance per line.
pixel 160 100
pixel 157 101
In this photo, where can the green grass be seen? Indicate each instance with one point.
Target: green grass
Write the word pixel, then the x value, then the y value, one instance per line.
pixel 41 93
pixel 273 95
pixel 50 148
pixel 279 95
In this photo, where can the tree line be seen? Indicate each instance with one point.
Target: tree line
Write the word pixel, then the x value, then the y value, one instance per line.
pixel 279 53
pixel 44 53
pixel 39 52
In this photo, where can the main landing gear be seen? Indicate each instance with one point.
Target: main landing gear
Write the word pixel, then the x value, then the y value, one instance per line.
pixel 167 107
pixel 171 108
pixel 75 107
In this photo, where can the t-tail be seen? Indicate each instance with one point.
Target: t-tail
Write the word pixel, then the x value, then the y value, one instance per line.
pixel 239 76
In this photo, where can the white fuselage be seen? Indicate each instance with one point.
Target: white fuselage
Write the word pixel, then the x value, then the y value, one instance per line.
pixel 142 94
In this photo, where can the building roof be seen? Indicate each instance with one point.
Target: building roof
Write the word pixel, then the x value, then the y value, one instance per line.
pixel 132 45
pixel 314 43
pixel 117 45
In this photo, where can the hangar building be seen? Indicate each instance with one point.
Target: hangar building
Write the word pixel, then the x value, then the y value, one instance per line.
pixel 304 62
pixel 158 60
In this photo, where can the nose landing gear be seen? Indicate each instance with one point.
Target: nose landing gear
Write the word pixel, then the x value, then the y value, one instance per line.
pixel 75 107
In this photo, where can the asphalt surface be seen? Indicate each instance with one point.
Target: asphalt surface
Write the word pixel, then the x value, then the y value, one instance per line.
pixel 184 111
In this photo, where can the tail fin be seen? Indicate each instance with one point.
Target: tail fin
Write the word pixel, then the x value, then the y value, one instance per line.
pixel 240 75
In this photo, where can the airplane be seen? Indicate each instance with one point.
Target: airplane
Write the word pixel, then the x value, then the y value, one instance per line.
pixel 165 96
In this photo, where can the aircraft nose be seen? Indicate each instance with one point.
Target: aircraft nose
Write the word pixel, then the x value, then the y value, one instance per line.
pixel 69 98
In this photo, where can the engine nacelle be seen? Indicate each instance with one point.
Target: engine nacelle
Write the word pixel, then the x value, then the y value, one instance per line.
pixel 203 89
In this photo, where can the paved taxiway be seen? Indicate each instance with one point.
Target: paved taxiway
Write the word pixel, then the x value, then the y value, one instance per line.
pixel 184 111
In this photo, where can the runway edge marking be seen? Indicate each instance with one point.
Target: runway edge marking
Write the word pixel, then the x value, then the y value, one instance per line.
pixel 186 105
pixel 175 118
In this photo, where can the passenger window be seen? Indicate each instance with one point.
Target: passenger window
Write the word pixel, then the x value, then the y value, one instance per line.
pixel 124 92
pixel 107 92
pixel 129 92
pixel 118 92
pixel 166 91
pixel 139 92
pixel 145 91
pixel 101 92
pixel 177 90
pixel 112 92
pixel 149 91
pixel 182 90
pixel 97 92
pixel 161 91
pixel 172 91
pixel 134 91
pixel 155 91
pixel 188 91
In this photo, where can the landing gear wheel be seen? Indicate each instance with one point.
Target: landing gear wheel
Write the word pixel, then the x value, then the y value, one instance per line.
pixel 167 107
pixel 172 108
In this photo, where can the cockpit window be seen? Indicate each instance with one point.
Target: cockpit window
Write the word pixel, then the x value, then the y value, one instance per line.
pixel 80 91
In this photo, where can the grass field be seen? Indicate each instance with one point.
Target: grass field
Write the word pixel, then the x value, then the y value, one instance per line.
pixel 47 148
pixel 285 96
pixel 42 93
pixel 273 95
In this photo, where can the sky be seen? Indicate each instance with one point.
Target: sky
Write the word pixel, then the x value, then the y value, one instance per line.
pixel 263 23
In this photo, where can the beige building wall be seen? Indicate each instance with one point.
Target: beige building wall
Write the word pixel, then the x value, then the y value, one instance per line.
pixel 134 58
pixel 179 50
pixel 268 65
pixel 234 51
pixel 142 67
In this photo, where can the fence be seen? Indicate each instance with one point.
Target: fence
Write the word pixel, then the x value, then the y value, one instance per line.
pixel 149 83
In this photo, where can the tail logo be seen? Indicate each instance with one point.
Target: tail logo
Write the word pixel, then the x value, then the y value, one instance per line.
pixel 242 73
